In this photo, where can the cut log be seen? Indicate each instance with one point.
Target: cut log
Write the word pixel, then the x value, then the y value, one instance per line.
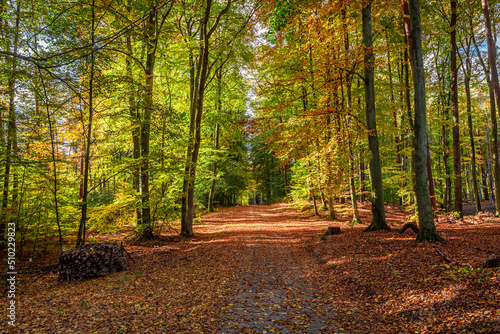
pixel 493 261
pixel 91 260
pixel 413 226
pixel 332 230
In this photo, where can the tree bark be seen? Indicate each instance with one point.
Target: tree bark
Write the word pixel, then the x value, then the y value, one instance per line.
pixel 145 225
pixel 475 188
pixel 83 219
pixel 214 171
pixel 457 166
pixel 198 86
pixel 496 89
pixel 135 117
pixel 11 148
pixel 427 229
pixel 378 209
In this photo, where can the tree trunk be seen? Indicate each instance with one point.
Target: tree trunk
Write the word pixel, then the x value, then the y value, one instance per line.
pixel 496 89
pixel 331 209
pixel 378 209
pixel 198 86
pixel 145 225
pixel 214 171
pixel 484 176
pixel 394 114
pixel 186 220
pixel 11 149
pixel 135 117
pixel 457 167
pixel 427 229
pixel 81 230
pixel 495 168
pixel 475 187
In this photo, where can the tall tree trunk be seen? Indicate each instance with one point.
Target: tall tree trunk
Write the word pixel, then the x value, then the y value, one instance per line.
pixel 496 89
pixel 83 219
pixel 11 149
pixel 186 220
pixel 352 186
pixel 211 196
pixel 135 117
pixel 475 188
pixel 378 209
pixel 408 37
pixel 427 229
pixel 200 82
pixel 457 167
pixel 145 225
pixel 394 114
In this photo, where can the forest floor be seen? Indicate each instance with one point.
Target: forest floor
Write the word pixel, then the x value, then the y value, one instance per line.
pixel 265 269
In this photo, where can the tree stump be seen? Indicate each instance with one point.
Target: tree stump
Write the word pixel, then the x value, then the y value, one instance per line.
pixel 91 260
pixel 493 261
pixel 332 230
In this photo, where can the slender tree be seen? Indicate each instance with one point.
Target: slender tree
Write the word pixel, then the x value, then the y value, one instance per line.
pixel 457 162
pixel 496 89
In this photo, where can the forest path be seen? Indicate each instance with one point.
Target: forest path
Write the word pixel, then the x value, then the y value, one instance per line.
pixel 261 269
pixel 271 292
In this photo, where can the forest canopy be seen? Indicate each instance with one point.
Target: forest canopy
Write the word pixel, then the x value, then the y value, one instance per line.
pixel 143 113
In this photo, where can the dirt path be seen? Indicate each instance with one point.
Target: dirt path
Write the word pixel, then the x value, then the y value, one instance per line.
pixel 272 292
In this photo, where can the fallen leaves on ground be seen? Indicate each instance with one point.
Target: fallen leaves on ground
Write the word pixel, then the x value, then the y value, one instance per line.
pixel 264 269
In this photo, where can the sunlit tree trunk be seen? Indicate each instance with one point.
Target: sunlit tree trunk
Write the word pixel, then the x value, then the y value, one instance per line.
pixel 427 229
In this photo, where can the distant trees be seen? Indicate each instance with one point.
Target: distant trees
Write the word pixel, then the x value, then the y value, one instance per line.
pixel 308 81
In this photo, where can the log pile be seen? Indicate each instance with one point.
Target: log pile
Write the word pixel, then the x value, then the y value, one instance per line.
pixel 91 260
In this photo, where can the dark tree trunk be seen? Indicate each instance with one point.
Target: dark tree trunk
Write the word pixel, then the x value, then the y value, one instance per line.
pixel 496 89
pixel 83 219
pixel 457 166
pixel 378 209
pixel 11 149
pixel 145 225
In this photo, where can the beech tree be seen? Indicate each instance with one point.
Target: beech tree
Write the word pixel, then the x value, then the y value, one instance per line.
pixel 427 229
pixel 378 208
